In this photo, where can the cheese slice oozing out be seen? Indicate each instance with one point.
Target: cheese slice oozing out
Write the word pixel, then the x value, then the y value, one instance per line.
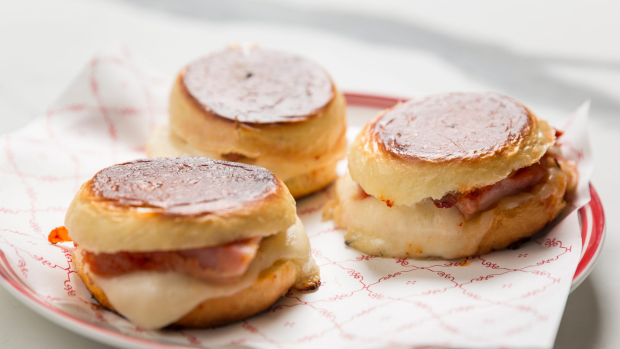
pixel 153 300
pixel 423 230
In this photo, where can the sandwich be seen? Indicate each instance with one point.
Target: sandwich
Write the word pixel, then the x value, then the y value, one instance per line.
pixel 187 241
pixel 451 175
pixel 259 107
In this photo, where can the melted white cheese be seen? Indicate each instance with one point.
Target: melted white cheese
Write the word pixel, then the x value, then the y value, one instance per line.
pixel 153 299
pixel 420 230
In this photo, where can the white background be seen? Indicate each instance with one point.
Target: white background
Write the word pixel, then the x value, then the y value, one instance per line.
pixel 550 55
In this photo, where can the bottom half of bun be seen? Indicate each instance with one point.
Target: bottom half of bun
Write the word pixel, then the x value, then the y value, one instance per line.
pixel 425 231
pixel 302 176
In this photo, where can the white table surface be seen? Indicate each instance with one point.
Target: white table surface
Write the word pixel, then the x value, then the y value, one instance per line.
pixel 551 56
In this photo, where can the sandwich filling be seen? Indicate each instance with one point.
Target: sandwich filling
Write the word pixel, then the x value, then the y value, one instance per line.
pixel 455 225
pixel 155 289
pixel 157 298
pixel 224 263
pixel 480 199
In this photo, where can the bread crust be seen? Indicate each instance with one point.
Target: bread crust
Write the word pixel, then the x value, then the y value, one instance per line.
pixel 258 86
pixel 103 225
pixel 200 128
pixel 405 179
pixel 311 181
pixel 272 284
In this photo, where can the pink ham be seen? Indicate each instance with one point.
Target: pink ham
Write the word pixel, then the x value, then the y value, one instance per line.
pixel 483 198
pixel 224 263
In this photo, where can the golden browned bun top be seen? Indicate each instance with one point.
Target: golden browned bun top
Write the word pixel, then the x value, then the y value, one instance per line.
pixel 169 204
pixel 183 186
pixel 259 86
pixel 452 126
pixel 446 143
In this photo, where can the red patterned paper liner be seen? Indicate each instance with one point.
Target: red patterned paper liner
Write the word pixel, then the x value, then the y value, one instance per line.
pixel 596 229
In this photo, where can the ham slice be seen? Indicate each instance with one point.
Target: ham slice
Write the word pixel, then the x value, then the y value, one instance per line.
pixel 225 263
pixel 483 198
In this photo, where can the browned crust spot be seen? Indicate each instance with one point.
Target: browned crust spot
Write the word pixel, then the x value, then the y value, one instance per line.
pixel 257 86
pixel 186 186
pixel 452 127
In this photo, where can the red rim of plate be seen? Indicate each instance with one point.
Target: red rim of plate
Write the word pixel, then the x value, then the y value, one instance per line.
pixel 590 252
pixel 353 99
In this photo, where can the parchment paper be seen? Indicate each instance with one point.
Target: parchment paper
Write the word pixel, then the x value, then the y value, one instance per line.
pixel 509 298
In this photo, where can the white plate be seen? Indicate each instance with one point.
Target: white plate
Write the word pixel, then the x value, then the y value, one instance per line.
pixel 362 108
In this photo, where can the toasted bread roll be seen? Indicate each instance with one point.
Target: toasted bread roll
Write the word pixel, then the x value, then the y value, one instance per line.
pixel 450 175
pixel 188 241
pixel 258 107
